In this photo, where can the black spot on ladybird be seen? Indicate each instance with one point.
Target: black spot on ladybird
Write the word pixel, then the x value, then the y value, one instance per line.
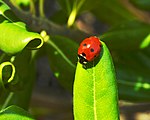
pixel 84 44
pixel 92 50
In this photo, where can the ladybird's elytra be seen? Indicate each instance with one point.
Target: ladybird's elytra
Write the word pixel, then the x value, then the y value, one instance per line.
pixel 89 49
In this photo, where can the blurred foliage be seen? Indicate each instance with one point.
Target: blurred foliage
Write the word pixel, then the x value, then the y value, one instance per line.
pixel 14 112
pixel 127 37
pixel 141 4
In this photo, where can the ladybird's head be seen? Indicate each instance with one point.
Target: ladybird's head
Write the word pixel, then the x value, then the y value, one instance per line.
pixel 82 58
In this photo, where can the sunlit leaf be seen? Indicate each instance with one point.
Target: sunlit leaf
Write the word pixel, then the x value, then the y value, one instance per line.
pixel 95 91
pixel 14 33
pixel 145 43
pixel 142 4
pixel 15 113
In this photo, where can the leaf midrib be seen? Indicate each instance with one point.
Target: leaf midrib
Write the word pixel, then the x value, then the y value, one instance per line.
pixel 94 92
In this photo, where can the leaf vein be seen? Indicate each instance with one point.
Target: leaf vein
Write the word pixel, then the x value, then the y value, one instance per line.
pixel 94 92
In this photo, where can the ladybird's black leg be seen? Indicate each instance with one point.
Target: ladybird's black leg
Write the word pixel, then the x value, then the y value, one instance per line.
pixel 84 66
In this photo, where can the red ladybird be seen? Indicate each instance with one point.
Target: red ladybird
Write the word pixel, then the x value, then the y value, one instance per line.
pixel 89 49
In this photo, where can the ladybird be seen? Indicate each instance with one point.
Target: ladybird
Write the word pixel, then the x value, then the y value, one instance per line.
pixel 89 49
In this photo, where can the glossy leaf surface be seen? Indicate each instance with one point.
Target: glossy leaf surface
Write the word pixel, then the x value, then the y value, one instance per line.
pixel 15 35
pixel 95 91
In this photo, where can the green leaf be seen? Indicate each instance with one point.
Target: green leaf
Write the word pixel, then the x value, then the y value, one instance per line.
pixel 112 12
pixel 25 69
pixel 79 5
pixel 62 53
pixel 66 5
pixel 126 36
pixel 57 15
pixel 131 63
pixel 95 91
pixel 133 75
pixel 142 4
pixel 145 42
pixel 100 8
pixel 7 73
pixel 15 113
pixel 18 92
pixel 14 34
pixel 23 2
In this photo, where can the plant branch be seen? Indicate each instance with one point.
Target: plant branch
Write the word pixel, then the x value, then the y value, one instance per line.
pixel 39 24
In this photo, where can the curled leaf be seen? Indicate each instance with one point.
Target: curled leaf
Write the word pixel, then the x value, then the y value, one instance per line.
pixel 15 35
pixel 7 73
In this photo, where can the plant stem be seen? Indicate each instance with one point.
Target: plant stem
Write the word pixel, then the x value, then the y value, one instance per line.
pixel 50 27
pixel 80 4
pixel 61 53
pixel 7 100
pixel 41 8
pixel 32 7
pixel 68 6
pixel 72 17
pixel 76 7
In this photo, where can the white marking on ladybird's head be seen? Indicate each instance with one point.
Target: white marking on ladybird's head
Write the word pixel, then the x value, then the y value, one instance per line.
pixel 83 56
